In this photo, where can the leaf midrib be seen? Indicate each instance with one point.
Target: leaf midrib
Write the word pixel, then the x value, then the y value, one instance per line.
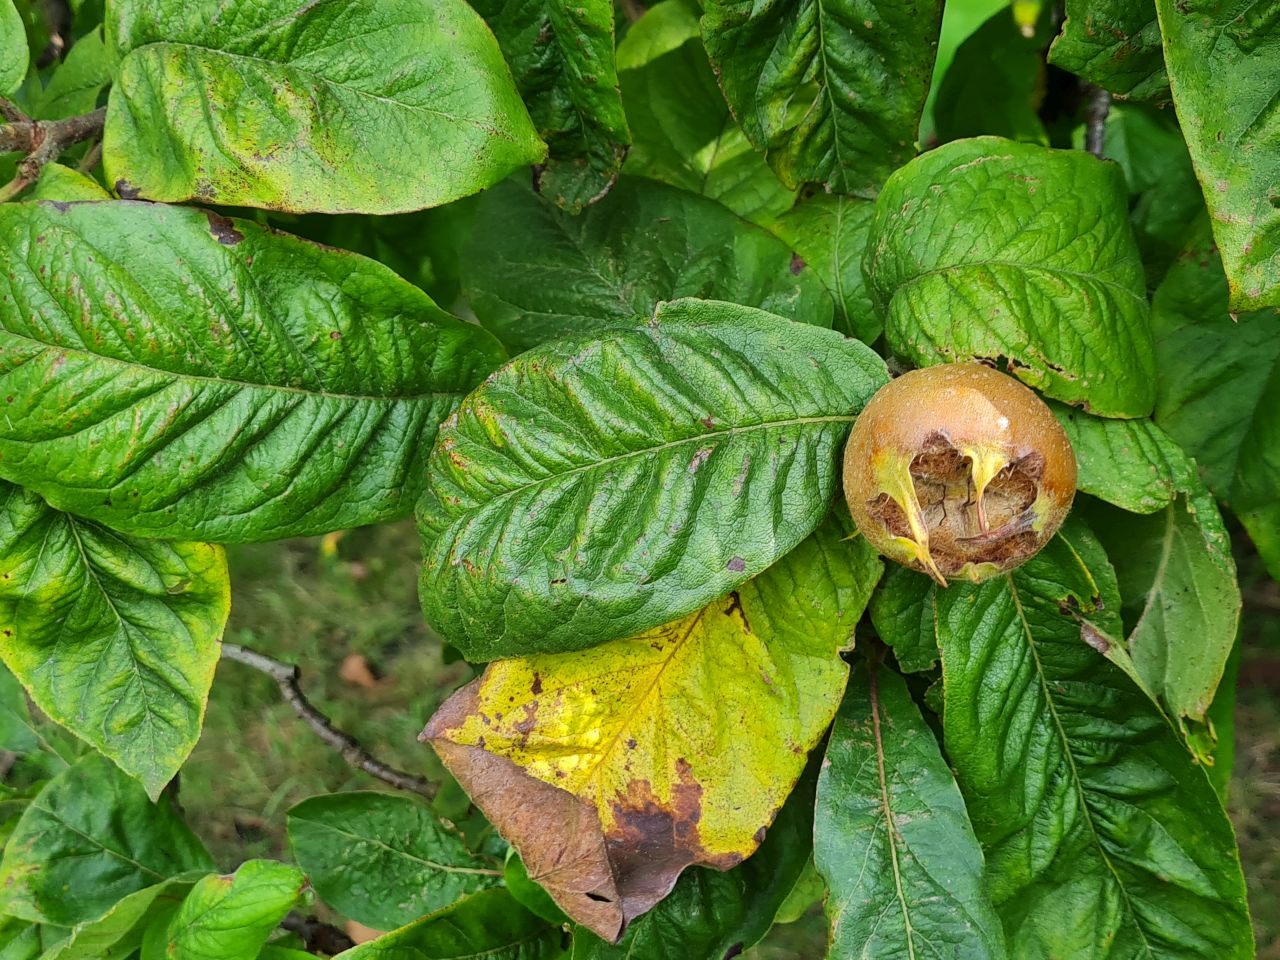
pixel 1074 771
pixel 655 451
pixel 891 831
pixel 1014 265
pixel 431 864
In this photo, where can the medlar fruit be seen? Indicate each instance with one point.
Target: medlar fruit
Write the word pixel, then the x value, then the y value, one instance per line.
pixel 958 471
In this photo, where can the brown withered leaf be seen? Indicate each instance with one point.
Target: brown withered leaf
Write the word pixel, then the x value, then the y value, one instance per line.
pixel 611 771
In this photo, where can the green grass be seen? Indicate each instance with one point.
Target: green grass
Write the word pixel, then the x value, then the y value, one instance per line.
pixel 303 604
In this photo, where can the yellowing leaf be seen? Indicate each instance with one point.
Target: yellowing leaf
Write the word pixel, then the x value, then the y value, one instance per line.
pixel 611 773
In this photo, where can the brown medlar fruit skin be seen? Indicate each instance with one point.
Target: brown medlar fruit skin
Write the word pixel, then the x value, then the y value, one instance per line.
pixel 958 470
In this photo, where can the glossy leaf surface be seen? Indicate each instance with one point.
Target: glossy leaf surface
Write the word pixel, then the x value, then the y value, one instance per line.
pixel 1223 58
pixel 89 839
pixel 829 233
pixel 373 106
pixel 860 68
pixel 175 373
pixel 561 53
pixel 1102 835
pixel 596 488
pixel 986 248
pixel 611 773
pixel 115 637
pixel 382 860
pixel 534 273
pixel 682 131
pixel 891 836
pixel 1114 44
pixel 231 917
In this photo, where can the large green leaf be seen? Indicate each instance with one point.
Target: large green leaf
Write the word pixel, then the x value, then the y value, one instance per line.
pixel 681 127
pixel 489 925
pixel 829 233
pixel 891 836
pixel 861 68
pixel 902 612
pixel 115 637
pixel 532 272
pixel 1114 44
pixel 1219 390
pixel 1223 58
pixel 597 487
pixel 987 248
pixel 561 52
pixel 89 839
pixel 13 48
pixel 715 914
pixel 1171 552
pixel 173 373
pixel 119 931
pixel 230 918
pixel 371 106
pixel 1103 836
pixel 382 860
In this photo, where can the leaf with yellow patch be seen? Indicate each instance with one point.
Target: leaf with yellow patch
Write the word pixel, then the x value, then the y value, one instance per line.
pixel 612 773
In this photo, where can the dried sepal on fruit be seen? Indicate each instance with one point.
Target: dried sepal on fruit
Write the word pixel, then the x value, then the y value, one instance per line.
pixel 958 471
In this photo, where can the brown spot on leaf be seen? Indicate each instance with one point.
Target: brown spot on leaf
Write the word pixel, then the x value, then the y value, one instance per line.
pixel 736 564
pixel 223 230
pixel 797 264
pixel 126 190
pixel 1094 638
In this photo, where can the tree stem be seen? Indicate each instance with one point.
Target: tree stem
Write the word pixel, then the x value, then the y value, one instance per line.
pixel 287 677
pixel 1095 119
pixel 42 141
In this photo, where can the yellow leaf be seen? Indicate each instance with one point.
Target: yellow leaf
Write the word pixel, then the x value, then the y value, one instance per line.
pixel 613 769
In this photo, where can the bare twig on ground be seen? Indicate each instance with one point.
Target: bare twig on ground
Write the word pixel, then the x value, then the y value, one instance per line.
pixel 287 676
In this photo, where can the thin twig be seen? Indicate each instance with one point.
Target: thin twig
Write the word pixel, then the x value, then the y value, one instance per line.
pixel 1095 119
pixel 91 159
pixel 287 676
pixel 317 936
pixel 10 112
pixel 43 142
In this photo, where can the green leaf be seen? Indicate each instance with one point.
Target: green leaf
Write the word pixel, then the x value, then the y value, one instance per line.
pixel 1176 572
pixel 1164 194
pixel 715 914
pixel 17 735
pixel 682 131
pixel 861 69
pixel 612 773
pixel 63 183
pixel 530 893
pixel 597 487
pixel 119 931
pixel 20 940
pixel 902 614
pixel 382 860
pixel 115 637
pixel 13 48
pixel 489 925
pixel 231 917
pixel 891 836
pixel 1224 70
pixel 372 106
pixel 829 233
pixel 995 83
pixel 533 273
pixel 1219 388
pixel 561 53
pixel 174 373
pixel 76 81
pixel 986 248
pixel 1103 837
pixel 88 840
pixel 1114 44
